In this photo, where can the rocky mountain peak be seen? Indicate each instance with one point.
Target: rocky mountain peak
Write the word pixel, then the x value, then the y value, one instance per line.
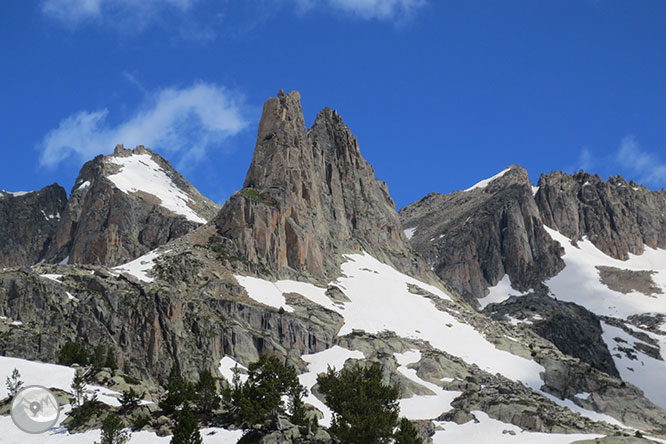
pixel 124 205
pixel 618 217
pixel 473 238
pixel 308 194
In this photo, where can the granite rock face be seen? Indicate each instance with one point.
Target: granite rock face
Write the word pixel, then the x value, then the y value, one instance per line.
pixel 194 315
pixel 573 329
pixel 28 224
pixel 106 225
pixel 308 195
pixel 471 239
pixel 618 217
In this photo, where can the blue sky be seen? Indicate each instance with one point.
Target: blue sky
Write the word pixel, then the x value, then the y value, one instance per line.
pixel 440 94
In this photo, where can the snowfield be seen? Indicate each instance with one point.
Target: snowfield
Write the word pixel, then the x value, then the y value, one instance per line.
pixel 381 301
pixel 642 370
pixel 491 431
pixel 579 281
pixel 139 172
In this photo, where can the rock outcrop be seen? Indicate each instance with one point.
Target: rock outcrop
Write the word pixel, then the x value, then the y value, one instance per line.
pixel 125 205
pixel 28 224
pixel 570 327
pixel 472 238
pixel 618 217
pixel 309 195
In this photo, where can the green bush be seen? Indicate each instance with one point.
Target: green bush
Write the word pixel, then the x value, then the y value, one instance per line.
pixel 112 430
pixel 406 433
pixel 365 411
pixel 73 353
pixel 141 421
pixel 81 414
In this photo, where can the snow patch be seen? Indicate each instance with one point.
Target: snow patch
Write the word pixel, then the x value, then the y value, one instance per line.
pixel 266 292
pixel 140 267
pixel 484 183
pixel 84 185
pixel 226 368
pixel 53 277
pixel 16 193
pixel 139 172
pixel 499 293
pixel 409 232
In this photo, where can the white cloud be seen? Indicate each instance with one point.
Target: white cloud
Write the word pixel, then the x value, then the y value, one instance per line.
pixel 130 12
pixel 397 10
pixel 650 169
pixel 585 159
pixel 187 121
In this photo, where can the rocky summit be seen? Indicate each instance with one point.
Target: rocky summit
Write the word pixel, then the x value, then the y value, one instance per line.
pixel 504 312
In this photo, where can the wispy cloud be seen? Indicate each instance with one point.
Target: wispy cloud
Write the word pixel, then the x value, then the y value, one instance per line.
pixel 585 159
pixel 135 13
pixel 393 10
pixel 649 168
pixel 184 123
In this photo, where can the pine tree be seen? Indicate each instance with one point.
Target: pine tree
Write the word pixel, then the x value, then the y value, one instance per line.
pixel 14 383
pixel 110 361
pixel 78 387
pixel 178 391
pixel 112 430
pixel 260 399
pixel 99 356
pixel 365 411
pixel 406 433
pixel 187 428
pixel 130 400
pixel 206 392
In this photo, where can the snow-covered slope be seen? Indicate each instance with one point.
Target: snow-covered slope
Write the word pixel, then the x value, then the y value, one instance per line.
pixel 139 172
pixel 380 300
pixel 485 182
pixel 637 294
pixel 60 377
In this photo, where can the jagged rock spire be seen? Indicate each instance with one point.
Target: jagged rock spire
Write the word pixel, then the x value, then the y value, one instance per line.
pixel 309 195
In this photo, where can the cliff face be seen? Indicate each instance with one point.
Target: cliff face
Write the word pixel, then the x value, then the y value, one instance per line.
pixel 473 238
pixel 310 194
pixel 618 217
pixel 125 205
pixel 28 223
